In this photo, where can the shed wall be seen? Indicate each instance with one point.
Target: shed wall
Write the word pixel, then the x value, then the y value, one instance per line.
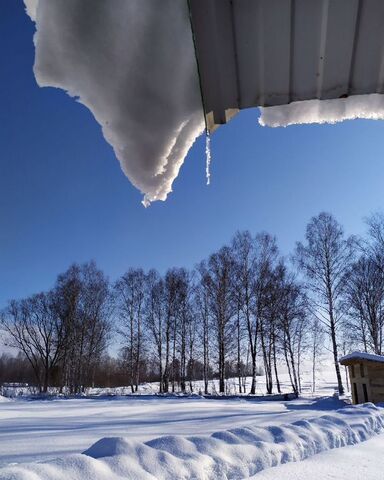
pixel 367 382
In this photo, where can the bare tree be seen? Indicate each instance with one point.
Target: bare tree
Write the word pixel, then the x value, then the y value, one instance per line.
pixel 325 259
pixel 243 246
pixel 317 344
pixel 173 290
pixel 293 319
pixel 201 296
pixel 254 260
pixel 33 328
pixel 374 247
pixel 365 297
pixel 155 318
pixel 266 304
pixel 82 301
pixel 219 278
pixel 129 295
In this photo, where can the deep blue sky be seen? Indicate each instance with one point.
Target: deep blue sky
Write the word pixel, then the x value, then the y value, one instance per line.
pixel 63 197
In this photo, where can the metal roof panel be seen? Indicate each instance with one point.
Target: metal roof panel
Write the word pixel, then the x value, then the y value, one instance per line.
pixel 273 52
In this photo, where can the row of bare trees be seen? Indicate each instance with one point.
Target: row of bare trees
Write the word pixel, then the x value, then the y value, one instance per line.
pixel 63 333
pixel 242 310
pixel 238 306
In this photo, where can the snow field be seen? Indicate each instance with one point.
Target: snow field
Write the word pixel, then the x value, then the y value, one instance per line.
pixel 233 454
pixel 325 385
pixel 355 462
pixel 43 430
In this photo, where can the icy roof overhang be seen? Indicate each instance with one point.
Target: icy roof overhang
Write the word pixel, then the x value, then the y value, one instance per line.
pixel 274 52
pixel 356 357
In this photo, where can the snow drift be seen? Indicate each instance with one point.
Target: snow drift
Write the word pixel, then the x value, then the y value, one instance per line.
pixel 370 107
pixel 233 454
pixel 132 63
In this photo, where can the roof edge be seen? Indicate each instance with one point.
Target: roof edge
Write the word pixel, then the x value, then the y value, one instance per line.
pixel 356 356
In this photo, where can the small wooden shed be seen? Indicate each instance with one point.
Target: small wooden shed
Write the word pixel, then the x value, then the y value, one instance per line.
pixel 366 373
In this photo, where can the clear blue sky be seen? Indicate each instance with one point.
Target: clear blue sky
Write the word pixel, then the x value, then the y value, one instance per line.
pixel 63 197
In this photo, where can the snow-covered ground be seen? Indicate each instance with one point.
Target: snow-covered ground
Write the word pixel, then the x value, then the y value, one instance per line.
pixel 325 383
pixel 236 453
pixel 201 438
pixel 357 462
pixel 39 430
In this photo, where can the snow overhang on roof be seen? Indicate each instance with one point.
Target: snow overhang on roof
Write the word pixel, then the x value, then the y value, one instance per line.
pixel 356 357
pixel 274 52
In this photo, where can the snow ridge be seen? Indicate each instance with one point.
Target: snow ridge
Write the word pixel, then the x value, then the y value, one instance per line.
pixel 234 454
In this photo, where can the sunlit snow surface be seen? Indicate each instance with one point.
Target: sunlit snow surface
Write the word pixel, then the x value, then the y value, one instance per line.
pixel 176 438
pixel 364 461
pixel 243 449
pixel 132 64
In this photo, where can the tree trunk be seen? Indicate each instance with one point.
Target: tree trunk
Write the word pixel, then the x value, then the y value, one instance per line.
pixel 275 367
pixel 336 359
pixel 254 374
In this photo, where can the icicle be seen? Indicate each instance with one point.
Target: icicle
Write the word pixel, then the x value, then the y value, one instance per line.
pixel 208 156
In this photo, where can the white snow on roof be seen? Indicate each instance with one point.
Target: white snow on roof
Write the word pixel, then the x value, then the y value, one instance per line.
pixel 362 356
pixel 132 63
pixel 324 111
pixel 31 8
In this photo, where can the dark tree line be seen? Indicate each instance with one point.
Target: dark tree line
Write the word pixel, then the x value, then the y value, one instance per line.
pixel 242 311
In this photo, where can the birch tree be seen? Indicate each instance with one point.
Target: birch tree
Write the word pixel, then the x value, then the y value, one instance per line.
pixel 129 297
pixel 324 259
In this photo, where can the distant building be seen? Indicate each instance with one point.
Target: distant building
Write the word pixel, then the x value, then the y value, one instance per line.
pixel 366 373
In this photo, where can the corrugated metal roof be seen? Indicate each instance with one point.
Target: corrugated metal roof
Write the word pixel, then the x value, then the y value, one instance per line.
pixel 273 52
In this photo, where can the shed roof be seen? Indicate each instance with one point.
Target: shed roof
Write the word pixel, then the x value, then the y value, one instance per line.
pixel 355 357
pixel 274 52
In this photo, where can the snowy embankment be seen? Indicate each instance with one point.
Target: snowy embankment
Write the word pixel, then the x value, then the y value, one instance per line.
pixel 233 454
